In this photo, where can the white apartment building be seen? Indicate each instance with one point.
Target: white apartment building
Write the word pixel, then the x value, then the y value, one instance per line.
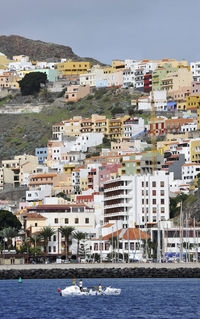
pixel 38 194
pixel 133 127
pixel 195 68
pixel 188 238
pixel 159 98
pixel 189 127
pixel 81 217
pixel 190 171
pixel 137 199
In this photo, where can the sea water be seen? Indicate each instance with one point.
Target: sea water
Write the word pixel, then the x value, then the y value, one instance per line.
pixel 140 299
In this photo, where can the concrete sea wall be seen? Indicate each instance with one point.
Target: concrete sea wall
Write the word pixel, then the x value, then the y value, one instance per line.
pixel 99 272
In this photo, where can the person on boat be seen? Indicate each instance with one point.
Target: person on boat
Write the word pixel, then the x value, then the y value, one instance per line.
pixel 80 284
pixel 100 288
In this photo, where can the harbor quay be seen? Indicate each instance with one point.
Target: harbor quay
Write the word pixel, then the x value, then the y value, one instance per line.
pixel 154 270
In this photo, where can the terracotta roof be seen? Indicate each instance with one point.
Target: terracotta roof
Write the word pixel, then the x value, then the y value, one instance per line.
pixel 191 164
pixel 43 175
pixel 131 234
pixel 34 216
pixel 108 225
pixel 58 206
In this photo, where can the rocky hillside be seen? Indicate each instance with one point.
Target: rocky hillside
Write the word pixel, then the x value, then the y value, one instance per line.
pixel 36 50
pixel 22 133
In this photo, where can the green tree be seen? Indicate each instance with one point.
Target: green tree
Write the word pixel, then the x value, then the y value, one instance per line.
pixel 174 205
pixel 9 233
pixel 7 219
pixel 66 232
pixel 78 235
pixel 46 234
pixel 31 83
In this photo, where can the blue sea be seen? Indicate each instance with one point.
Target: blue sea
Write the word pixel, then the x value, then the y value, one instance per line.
pixel 140 299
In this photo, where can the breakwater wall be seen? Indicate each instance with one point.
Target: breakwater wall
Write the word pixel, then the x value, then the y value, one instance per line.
pixel 100 273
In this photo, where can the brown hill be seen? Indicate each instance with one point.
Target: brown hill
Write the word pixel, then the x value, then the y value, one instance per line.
pixel 36 49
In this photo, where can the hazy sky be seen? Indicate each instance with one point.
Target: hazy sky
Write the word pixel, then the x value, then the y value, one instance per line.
pixel 109 29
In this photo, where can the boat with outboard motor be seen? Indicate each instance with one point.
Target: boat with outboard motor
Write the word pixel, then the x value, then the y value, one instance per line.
pixel 91 291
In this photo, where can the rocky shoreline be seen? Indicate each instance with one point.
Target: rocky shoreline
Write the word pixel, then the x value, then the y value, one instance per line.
pixel 138 272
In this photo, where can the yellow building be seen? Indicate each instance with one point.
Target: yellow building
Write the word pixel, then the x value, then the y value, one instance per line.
pixel 100 123
pixel 3 59
pixel 68 168
pixel 195 150
pixel 198 118
pixel 192 102
pixel 118 64
pixel 181 105
pixel 72 68
pixel 115 127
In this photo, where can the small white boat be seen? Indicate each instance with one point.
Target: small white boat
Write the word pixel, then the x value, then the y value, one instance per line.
pixel 76 291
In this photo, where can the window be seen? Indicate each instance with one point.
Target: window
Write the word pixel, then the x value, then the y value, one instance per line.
pixel 153 184
pixel 154 192
pixel 162 210
pixel 66 220
pixel 162 184
pixel 54 237
pixel 162 201
pixel 154 201
pixel 54 249
pixel 162 192
pixel 35 224
pixel 154 210
pixel 87 220
pixel 49 249
pixel 56 220
pixel 76 220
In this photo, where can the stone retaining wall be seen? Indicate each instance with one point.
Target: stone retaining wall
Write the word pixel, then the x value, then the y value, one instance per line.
pixel 100 273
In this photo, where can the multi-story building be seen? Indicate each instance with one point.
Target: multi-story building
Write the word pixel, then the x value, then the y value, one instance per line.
pixel 68 69
pixel 148 82
pixel 80 216
pixel 195 68
pixel 190 171
pixel 195 88
pixel 175 125
pixel 15 171
pixel 157 126
pixel 192 102
pixel 74 93
pixel 138 199
pixel 41 153
pixel 133 126
pixel 173 81
pixel 159 74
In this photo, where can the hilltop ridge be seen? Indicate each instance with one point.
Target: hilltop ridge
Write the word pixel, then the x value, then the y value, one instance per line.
pixel 37 50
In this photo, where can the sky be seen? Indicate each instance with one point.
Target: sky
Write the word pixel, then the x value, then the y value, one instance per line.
pixel 109 29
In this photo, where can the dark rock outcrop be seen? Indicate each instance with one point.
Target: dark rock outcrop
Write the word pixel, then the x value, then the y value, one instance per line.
pixel 101 273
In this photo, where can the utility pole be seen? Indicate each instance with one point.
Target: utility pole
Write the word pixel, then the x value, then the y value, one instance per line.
pixel 187 239
pixel 145 216
pixel 158 236
pixel 112 247
pixel 181 233
pixel 128 240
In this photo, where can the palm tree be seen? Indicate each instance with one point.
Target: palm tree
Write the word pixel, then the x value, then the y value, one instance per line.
pixel 9 233
pixel 66 232
pixel 45 234
pixel 78 235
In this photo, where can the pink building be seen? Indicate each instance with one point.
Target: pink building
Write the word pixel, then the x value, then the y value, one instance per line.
pixel 75 92
pixel 105 171
pixel 195 88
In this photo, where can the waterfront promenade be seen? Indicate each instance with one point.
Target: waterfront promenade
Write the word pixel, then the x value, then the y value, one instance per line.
pixel 100 266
